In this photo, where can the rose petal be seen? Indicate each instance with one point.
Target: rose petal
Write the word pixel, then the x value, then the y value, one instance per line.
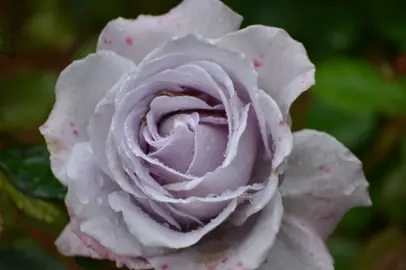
pixel 297 247
pixel 128 261
pixel 152 234
pixel 233 172
pixel 87 199
pixel 69 244
pixel 284 68
pixel 236 65
pixel 242 248
pixel 136 38
pixel 281 134
pixel 322 181
pixel 88 185
pixel 99 127
pixel 256 202
pixel 211 144
pixel 78 90
pixel 177 153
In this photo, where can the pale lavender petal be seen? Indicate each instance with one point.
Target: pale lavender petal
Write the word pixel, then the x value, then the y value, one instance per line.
pixel 177 153
pixel 323 180
pixel 99 127
pixel 297 247
pixel 153 234
pixel 250 243
pixel 256 202
pixel 211 143
pixel 242 248
pixel 136 38
pixel 163 105
pixel 238 68
pixel 78 90
pixel 284 68
pixel 87 199
pixel 69 244
pixel 281 134
pixel 233 172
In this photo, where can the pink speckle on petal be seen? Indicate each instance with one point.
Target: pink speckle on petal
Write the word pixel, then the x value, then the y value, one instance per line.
pixel 211 268
pixel 257 63
pixel 239 264
pixel 282 123
pixel 224 260
pixel 324 169
pixel 71 124
pixel 165 267
pixel 107 41
pixel 129 41
pixel 75 132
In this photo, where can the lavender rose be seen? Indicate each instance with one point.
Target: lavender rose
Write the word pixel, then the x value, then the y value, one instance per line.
pixel 173 140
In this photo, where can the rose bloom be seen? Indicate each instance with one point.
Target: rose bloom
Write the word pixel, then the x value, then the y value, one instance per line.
pixel 175 144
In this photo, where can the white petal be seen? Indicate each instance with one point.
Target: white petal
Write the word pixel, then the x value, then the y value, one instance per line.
pixel 323 180
pixel 242 248
pixel 69 244
pixel 297 247
pixel 78 90
pixel 284 69
pixel 136 38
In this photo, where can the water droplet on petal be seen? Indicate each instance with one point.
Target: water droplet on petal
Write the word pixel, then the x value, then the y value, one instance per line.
pixel 82 198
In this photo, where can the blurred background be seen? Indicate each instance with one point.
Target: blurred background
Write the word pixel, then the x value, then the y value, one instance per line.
pixel 358 46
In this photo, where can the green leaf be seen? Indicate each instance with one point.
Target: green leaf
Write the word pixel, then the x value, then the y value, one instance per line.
pixel 344 252
pixel 385 250
pixel 23 259
pixel 30 172
pixel 90 264
pixel 33 207
pixel 394 195
pixel 26 99
pixel 49 25
pixel 349 128
pixel 6 45
pixel 355 86
pixel 388 18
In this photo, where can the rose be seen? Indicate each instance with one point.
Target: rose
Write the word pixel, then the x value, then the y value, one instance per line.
pixel 175 144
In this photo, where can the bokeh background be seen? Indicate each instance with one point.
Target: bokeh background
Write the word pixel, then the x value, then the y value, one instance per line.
pixel 358 46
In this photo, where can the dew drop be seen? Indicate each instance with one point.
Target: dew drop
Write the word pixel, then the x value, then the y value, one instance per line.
pixel 83 199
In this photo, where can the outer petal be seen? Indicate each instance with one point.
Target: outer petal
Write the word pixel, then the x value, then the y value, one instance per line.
pixel 322 181
pixel 242 248
pixel 297 247
pixel 284 69
pixel 153 234
pixel 78 90
pixel 134 39
pixel 87 200
pixel 69 244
